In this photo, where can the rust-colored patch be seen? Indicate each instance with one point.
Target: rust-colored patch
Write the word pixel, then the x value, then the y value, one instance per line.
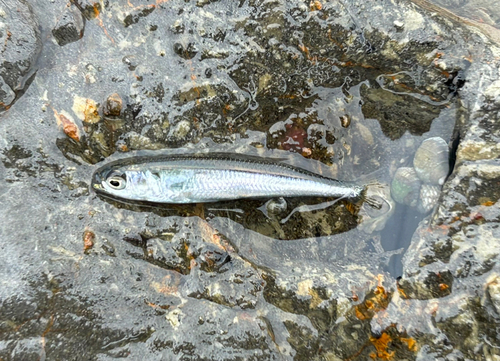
pixel 351 208
pixel 488 203
pixel 402 293
pixel 209 234
pixel 476 216
pixel 96 10
pixel 375 301
pixel 315 5
pixel 100 22
pixel 304 49
pixel 443 286
pixel 156 306
pixel 412 344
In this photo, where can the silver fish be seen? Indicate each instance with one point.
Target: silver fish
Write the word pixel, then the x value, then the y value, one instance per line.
pixel 199 178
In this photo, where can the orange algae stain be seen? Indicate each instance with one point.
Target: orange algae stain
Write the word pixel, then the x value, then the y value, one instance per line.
pixel 401 292
pixel 210 234
pixel 412 344
pixel 303 48
pixel 360 315
pixel 488 203
pixel 97 13
pixel 97 10
pixel 376 301
pixel 382 346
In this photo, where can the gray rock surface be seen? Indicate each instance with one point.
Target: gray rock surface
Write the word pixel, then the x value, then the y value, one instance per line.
pixel 346 89
pixel 21 43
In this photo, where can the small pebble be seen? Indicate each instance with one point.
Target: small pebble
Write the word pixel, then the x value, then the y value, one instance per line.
pixel 88 240
pixel 113 105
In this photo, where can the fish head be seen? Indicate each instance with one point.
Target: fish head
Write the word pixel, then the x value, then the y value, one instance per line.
pixel 131 183
pixel 112 182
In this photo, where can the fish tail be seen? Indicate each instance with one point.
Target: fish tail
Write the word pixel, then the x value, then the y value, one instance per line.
pixel 372 202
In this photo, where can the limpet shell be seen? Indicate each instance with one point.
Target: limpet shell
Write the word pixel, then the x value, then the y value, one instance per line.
pixel 405 186
pixel 431 161
pixel 429 196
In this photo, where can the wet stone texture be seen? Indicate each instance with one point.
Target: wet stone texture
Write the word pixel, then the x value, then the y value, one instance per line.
pixel 21 43
pixel 343 88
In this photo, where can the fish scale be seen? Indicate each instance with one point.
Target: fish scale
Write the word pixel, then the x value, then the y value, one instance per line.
pixel 211 178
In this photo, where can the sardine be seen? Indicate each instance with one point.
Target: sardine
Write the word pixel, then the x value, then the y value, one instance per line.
pixel 200 178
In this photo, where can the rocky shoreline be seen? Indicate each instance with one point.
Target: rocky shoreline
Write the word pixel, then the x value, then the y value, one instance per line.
pixel 344 88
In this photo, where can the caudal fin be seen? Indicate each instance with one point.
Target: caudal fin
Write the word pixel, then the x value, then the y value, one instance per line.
pixel 371 201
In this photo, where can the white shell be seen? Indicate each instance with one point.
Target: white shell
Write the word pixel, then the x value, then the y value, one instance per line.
pixel 429 196
pixel 431 161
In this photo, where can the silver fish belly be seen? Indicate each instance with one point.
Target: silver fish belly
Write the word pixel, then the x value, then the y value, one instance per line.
pixel 212 178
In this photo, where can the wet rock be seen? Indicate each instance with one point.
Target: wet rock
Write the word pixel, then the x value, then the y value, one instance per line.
pixel 185 52
pixel 70 27
pixel 446 244
pixel 482 14
pixel 226 281
pixel 181 129
pixel 135 16
pixel 397 112
pixel 7 95
pixel 21 41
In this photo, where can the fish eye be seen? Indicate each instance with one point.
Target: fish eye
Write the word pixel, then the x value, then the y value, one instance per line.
pixel 116 182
